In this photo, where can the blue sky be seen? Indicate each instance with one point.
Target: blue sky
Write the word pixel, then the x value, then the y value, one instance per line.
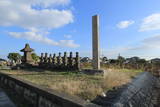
pixel 128 27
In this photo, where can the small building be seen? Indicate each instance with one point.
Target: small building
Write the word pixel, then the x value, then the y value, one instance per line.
pixel 27 58
pixel 156 60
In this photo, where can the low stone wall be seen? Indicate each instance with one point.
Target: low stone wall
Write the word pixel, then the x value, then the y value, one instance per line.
pixel 37 96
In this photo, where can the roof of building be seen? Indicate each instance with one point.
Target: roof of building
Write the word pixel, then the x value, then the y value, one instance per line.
pixel 27 49
pixel 2 59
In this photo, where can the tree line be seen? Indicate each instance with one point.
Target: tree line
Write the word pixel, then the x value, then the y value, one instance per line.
pixel 122 62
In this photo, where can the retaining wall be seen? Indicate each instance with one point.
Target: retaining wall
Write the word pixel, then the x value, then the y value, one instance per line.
pixel 143 91
pixel 37 96
pixel 140 93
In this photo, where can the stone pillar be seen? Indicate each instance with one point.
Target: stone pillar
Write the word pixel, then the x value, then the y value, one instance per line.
pixel 50 59
pixel 54 61
pixel 77 61
pixel 46 58
pixel 42 58
pixel 65 62
pixel 95 42
pixel 70 61
pixel 59 61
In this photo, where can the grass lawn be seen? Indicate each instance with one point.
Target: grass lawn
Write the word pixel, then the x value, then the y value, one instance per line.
pixel 84 86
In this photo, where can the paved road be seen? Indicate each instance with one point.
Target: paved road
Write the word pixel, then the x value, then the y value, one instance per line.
pixel 4 100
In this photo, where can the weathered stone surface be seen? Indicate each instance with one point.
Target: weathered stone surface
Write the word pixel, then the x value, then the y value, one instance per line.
pixel 27 58
pixel 95 42
pixel 144 85
pixel 54 61
pixel 92 71
pixel 77 61
pixel 38 96
pixel 71 60
pixel 141 92
pixel 50 59
pixel 46 58
pixel 59 62
pixel 42 58
pixel 65 60
pixel 4 100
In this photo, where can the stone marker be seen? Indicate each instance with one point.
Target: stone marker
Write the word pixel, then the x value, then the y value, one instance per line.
pixel 46 58
pixel 27 58
pixel 95 42
pixel 42 58
pixel 77 61
pixel 54 60
pixel 65 59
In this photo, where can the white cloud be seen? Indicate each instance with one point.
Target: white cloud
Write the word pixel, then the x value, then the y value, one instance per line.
pixel 37 18
pixel 20 13
pixel 151 22
pixel 38 37
pixel 125 24
pixel 68 43
pixel 152 42
pixel 68 36
pixel 48 3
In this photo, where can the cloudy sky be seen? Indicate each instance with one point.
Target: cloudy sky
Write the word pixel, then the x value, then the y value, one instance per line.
pixel 127 27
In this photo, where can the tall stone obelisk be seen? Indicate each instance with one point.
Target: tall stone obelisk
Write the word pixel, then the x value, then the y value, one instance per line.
pixel 95 42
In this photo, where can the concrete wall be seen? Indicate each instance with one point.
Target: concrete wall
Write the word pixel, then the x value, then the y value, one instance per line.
pixel 141 92
pixel 37 96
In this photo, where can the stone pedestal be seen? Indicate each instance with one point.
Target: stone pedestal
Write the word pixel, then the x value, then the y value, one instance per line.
pixel 92 71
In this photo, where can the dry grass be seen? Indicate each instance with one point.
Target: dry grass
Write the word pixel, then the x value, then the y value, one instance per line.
pixel 114 78
pixel 85 86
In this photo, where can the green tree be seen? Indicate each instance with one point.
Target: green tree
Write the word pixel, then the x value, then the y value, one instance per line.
pixel 104 59
pixel 14 57
pixel 120 59
pixel 35 57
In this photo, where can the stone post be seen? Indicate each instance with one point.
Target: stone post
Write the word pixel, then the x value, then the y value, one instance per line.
pixel 65 62
pixel 42 58
pixel 54 61
pixel 59 62
pixel 70 61
pixel 50 59
pixel 46 58
pixel 77 61
pixel 95 42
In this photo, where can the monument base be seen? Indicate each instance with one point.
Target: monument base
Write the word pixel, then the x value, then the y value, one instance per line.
pixel 92 71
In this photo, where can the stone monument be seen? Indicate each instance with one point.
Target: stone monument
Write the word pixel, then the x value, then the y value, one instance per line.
pixel 95 42
pixel 27 58
pixel 95 48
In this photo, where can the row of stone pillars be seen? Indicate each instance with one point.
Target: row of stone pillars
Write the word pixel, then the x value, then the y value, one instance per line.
pixel 59 62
